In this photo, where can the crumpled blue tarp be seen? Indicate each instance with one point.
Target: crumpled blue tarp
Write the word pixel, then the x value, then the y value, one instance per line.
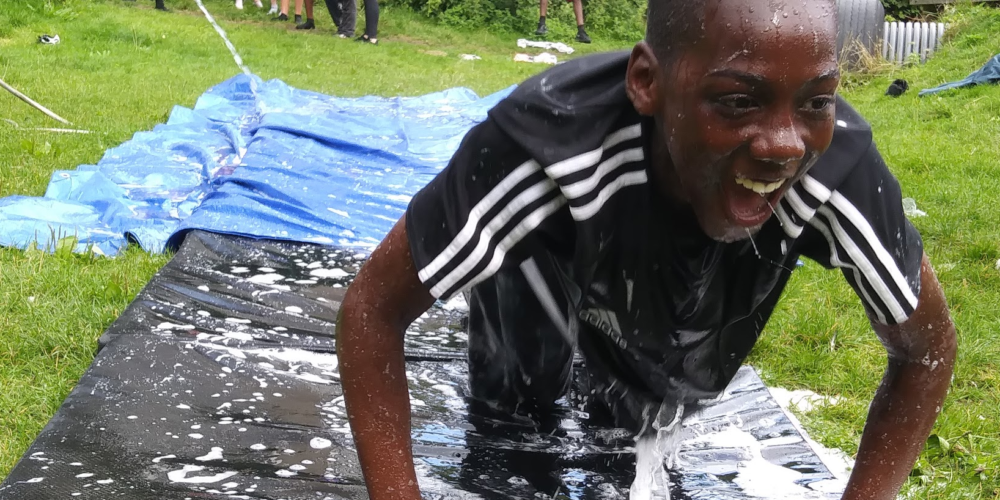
pixel 259 159
pixel 989 73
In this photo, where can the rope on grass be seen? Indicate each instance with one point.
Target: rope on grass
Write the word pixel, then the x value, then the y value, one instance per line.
pixel 47 129
pixel 222 33
pixel 33 104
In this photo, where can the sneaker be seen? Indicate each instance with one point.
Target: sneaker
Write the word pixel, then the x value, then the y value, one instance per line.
pixel 308 25
pixel 48 40
pixel 273 11
pixel 345 35
pixel 583 37
pixel 364 38
pixel 542 30
pixel 239 4
pixel 281 17
pixel 298 18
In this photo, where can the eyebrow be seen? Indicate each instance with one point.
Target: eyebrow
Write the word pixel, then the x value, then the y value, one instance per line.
pixel 755 79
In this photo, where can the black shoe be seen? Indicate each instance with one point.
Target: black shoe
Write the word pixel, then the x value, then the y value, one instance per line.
pixel 281 17
pixel 160 6
pixel 582 37
pixel 366 39
pixel 542 30
pixel 308 25
pixel 298 18
pixel 345 35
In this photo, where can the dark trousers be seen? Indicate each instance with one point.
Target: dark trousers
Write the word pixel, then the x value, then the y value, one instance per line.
pixel 345 15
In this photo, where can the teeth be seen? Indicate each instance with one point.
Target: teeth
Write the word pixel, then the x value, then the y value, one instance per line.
pixel 759 187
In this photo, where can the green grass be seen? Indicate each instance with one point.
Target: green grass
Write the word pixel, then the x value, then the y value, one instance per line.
pixel 122 66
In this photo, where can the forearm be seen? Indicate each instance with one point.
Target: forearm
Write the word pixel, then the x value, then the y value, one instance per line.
pixel 921 360
pixel 899 420
pixel 373 374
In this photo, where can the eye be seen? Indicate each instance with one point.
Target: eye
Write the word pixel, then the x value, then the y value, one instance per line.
pixel 818 104
pixel 738 102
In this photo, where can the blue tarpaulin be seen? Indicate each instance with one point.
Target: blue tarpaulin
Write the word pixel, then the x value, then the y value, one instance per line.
pixel 989 73
pixel 258 159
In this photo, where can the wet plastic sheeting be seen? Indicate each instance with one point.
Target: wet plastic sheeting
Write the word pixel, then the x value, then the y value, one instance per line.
pixel 258 159
pixel 220 381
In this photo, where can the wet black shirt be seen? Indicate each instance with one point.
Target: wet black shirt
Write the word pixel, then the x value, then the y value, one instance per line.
pixel 561 167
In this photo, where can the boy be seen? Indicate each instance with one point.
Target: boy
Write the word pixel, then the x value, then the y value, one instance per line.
pixel 647 209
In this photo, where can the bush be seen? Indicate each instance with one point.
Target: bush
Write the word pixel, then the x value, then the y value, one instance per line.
pixel 901 10
pixel 618 19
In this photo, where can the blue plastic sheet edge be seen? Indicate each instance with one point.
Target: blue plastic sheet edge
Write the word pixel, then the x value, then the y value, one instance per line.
pixel 254 158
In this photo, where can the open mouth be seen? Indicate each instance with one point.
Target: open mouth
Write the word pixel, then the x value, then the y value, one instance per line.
pixel 761 188
pixel 750 202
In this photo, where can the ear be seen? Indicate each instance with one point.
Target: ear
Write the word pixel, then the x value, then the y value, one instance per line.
pixel 642 79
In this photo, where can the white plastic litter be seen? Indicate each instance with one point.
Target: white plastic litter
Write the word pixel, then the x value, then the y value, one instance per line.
pixel 470 57
pixel 543 58
pixel 557 46
pixel 910 208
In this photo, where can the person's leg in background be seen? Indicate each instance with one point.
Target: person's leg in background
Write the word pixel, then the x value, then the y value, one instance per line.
pixel 345 15
pixel 581 33
pixel 309 24
pixel 543 10
pixel 298 12
pixel 283 13
pixel 371 22
pixel 160 6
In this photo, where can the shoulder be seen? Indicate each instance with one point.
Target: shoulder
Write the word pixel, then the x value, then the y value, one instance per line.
pixel 596 80
pixel 851 148
pixel 569 109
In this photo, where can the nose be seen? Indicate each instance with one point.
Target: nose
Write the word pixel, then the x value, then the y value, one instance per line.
pixel 779 141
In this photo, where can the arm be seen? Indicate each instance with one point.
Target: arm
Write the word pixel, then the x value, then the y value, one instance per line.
pixel 921 358
pixel 382 301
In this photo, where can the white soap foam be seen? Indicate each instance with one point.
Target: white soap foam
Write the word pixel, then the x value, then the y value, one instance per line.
pixel 266 279
pixel 181 476
pixel 158 459
pixel 329 273
pixel 320 443
pixel 183 407
pixel 293 309
pixel 215 454
pixel 258 447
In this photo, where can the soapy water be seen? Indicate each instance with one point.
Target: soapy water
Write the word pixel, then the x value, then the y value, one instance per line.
pixel 263 394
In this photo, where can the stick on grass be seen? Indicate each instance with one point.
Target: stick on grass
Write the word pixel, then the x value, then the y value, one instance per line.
pixel 33 104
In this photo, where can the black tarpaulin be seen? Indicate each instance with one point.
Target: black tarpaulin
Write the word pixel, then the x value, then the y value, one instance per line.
pixel 220 381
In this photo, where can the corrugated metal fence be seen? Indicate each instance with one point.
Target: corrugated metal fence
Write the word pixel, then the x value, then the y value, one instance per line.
pixel 900 40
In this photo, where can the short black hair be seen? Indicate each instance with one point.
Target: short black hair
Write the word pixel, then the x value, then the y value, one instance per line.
pixel 672 24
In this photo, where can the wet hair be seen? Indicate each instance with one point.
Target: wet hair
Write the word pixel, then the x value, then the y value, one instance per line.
pixel 673 24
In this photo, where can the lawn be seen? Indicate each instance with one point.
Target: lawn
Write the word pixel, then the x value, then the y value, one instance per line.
pixel 121 66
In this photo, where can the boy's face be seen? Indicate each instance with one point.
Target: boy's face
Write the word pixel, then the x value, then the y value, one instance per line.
pixel 743 112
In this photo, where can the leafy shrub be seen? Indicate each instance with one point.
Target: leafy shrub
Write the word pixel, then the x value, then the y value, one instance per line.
pixel 618 19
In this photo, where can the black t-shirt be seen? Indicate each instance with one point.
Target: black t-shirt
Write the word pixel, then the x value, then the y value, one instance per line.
pixel 561 167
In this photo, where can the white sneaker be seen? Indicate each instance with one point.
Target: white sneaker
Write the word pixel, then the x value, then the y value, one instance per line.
pixel 274 10
pixel 258 4
pixel 239 4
